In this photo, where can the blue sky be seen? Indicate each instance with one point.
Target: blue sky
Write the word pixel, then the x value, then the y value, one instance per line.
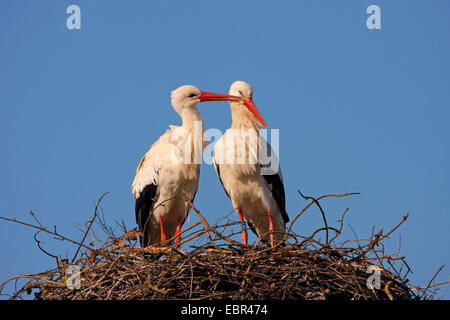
pixel 358 111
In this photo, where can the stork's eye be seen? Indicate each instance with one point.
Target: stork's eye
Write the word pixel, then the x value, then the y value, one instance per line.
pixel 192 95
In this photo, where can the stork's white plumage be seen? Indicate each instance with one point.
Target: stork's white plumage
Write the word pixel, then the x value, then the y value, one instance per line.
pixel 169 171
pixel 257 196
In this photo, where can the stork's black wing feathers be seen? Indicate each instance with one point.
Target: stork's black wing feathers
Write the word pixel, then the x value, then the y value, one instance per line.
pixel 252 227
pixel 278 193
pixel 144 204
pixel 218 174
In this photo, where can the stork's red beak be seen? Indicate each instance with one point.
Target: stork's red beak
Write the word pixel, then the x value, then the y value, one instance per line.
pixel 210 96
pixel 251 106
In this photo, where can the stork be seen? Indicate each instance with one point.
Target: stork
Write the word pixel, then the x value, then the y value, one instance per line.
pixel 169 171
pixel 257 196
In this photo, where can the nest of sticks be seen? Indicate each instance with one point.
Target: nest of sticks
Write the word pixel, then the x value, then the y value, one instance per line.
pixel 209 264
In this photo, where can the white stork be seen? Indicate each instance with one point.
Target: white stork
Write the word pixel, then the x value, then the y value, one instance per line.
pixel 257 196
pixel 170 170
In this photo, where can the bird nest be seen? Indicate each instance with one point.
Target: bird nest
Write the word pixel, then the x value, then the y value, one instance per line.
pixel 209 264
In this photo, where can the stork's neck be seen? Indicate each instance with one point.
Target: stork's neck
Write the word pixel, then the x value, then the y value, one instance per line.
pixel 242 118
pixel 189 116
pixel 193 124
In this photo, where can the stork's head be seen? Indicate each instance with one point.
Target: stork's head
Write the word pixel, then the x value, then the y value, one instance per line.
pixel 245 91
pixel 188 96
pixel 241 89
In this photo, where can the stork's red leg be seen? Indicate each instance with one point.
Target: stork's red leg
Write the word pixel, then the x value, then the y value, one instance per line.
pixel 177 232
pixel 270 227
pixel 244 235
pixel 163 235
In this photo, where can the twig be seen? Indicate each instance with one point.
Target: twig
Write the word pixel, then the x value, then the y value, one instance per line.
pixel 89 226
pixel 321 211
pixel 35 218
pixel 54 233
pixel 209 227
pixel 431 281
pixel 309 204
